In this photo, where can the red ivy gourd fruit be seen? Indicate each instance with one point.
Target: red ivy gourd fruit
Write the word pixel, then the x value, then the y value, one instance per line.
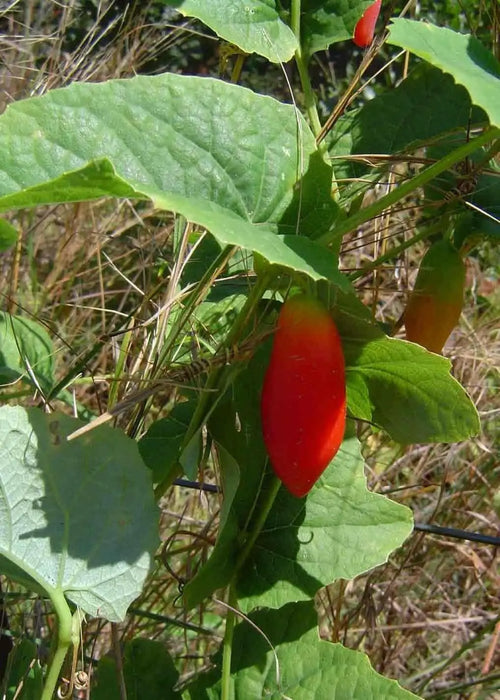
pixel 436 302
pixel 365 28
pixel 303 405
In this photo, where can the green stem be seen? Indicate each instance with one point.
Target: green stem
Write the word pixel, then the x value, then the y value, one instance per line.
pixel 265 504
pixel 394 252
pixel 395 195
pixel 124 353
pixel 301 61
pixel 227 647
pixel 64 641
pixel 238 66
pixel 164 485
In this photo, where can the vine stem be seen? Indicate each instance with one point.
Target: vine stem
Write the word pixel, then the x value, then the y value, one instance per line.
pixel 258 523
pixel 301 61
pixel 228 644
pixel 65 638
pixel 375 209
pixel 394 252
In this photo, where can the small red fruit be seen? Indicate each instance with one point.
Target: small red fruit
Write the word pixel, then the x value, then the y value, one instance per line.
pixel 437 299
pixel 303 405
pixel 365 28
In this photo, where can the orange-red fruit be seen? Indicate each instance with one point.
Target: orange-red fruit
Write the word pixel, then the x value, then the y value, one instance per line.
pixel 303 405
pixel 436 302
pixel 365 28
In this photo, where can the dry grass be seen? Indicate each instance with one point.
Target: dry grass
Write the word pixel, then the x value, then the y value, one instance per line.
pixel 90 270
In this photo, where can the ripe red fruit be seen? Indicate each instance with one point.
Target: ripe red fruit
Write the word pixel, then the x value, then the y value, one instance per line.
pixel 436 302
pixel 365 28
pixel 303 405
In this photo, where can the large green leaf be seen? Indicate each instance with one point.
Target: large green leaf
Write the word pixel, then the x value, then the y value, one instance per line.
pixel 305 543
pixel 462 55
pixel 253 25
pixel 222 156
pixel 148 672
pixel 194 137
pixel 399 386
pixel 339 531
pixel 279 654
pixel 425 105
pixel 77 517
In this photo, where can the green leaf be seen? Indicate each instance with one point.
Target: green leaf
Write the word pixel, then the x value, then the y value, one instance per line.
pixel 399 386
pixel 325 22
pixel 303 255
pixel 8 235
pixel 312 210
pixel 253 25
pixel 280 655
pixel 305 543
pixel 160 447
pixel 24 671
pixel 94 180
pixel 426 104
pixel 148 671
pixel 77 517
pixel 339 531
pixel 26 350
pixel 215 317
pixel 462 55
pixel 224 157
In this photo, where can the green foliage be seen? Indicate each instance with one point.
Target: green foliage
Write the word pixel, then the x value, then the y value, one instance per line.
pixel 325 23
pixel 198 173
pixel 278 653
pixel 485 217
pixel 78 517
pixel 161 446
pixel 253 25
pixel 468 61
pixel 24 671
pixel 26 350
pixel 148 671
pixel 422 107
pixel 8 235
pixel 304 544
pixel 416 386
